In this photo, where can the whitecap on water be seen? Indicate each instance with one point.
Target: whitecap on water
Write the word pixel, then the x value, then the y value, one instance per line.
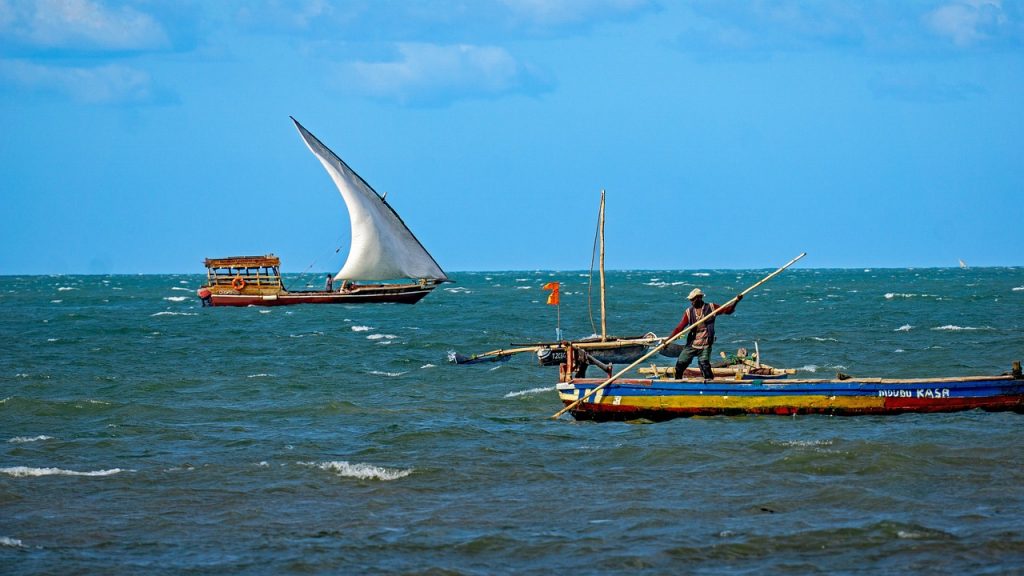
pixel 955 328
pixel 360 471
pixel 361 328
pixel 391 374
pixel 458 290
pixel 381 336
pixel 27 472
pixel 529 392
pixel 427 366
pixel 523 287
pixel 904 328
pixel 174 314
pixel 11 542
pixel 808 368
pixel 701 274
pixel 24 439
pixel 65 288
pixel 260 375
pixel 55 301
pixel 1018 288
pixel 176 298
pixel 181 289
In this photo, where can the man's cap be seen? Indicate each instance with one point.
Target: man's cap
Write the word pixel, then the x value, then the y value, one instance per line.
pixel 694 293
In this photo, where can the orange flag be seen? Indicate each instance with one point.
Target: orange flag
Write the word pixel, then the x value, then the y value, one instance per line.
pixel 553 297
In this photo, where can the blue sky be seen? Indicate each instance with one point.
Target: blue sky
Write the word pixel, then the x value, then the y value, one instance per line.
pixel 143 136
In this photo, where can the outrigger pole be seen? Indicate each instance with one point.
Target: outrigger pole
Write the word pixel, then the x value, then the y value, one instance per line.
pixel 688 329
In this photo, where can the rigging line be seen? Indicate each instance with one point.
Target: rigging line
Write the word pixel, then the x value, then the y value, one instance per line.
pixel 313 263
pixel 590 286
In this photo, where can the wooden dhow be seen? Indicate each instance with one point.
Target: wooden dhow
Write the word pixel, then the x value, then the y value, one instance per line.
pixel 386 262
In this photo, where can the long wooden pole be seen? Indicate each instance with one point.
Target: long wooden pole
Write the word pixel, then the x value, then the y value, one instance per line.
pixel 659 347
pixel 604 325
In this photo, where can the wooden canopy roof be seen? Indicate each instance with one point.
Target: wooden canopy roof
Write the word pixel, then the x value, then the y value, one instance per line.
pixel 244 262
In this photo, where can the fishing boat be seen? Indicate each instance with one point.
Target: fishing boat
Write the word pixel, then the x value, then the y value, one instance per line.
pixel 386 262
pixel 658 399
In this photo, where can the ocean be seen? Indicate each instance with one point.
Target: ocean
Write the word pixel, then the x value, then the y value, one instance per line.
pixel 143 434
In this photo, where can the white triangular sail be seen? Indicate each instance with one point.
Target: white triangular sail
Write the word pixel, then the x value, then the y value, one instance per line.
pixel 383 247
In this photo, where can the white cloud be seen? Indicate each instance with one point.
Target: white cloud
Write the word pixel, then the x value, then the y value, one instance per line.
pixel 967 22
pixel 560 12
pixel 79 24
pixel 426 73
pixel 925 27
pixel 101 85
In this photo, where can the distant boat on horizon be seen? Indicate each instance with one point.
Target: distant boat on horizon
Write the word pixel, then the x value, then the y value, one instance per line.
pixel 963 264
pixel 383 249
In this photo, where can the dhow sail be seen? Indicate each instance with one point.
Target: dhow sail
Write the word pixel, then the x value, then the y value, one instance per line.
pixel 383 247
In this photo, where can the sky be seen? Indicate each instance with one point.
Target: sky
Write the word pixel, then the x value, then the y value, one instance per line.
pixel 142 136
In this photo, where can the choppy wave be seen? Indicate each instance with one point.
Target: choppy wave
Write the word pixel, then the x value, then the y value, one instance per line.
pixel 176 298
pixel 361 328
pixel 904 328
pixel 360 471
pixel 458 290
pixel 892 295
pixel 56 301
pixel 181 289
pixel 428 366
pixel 954 328
pixel 663 284
pixel 25 439
pixel 166 313
pixel 381 336
pixel 11 542
pixel 66 288
pixel 529 392
pixel 27 472
pixel 701 274
pixel 392 374
pixel 1018 288
pixel 260 375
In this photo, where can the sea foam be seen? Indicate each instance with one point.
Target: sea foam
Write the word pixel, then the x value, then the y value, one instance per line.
pixel 11 542
pixel 27 472
pixel 904 328
pixel 24 439
pixel 361 471
pixel 529 392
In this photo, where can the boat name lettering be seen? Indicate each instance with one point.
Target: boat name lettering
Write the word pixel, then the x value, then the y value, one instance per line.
pixel 919 393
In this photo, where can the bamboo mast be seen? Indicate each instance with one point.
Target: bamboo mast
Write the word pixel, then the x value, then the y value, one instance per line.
pixel 600 217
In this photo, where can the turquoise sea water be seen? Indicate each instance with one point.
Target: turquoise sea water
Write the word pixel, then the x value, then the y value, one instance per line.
pixel 143 434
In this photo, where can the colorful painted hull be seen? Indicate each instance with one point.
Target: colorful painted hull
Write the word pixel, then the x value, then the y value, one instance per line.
pixel 631 399
pixel 401 294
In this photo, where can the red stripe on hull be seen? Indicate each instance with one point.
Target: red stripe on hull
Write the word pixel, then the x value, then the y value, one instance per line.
pixel 404 297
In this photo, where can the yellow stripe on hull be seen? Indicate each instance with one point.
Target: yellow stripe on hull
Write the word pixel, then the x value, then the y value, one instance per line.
pixel 753 403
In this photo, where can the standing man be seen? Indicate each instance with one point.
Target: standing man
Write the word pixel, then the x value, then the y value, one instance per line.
pixel 699 341
pixel 330 283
